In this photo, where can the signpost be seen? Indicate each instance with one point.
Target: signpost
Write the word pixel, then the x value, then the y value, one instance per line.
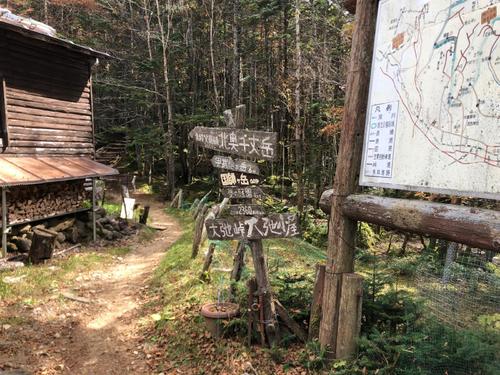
pixel 240 180
pixel 238 165
pixel 248 143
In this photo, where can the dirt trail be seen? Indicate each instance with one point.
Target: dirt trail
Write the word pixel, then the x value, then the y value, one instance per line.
pixel 103 336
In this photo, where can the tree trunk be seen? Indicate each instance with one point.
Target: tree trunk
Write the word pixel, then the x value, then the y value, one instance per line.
pixel 170 131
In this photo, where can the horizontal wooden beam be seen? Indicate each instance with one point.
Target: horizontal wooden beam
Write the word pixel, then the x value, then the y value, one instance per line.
pixel 476 227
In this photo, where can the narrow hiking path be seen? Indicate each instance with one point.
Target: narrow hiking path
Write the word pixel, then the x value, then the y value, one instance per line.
pixel 102 333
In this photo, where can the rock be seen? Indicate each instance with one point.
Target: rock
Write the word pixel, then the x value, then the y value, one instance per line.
pixel 496 260
pixel 13 279
pixel 101 212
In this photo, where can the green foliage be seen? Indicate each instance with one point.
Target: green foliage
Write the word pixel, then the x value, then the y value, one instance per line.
pixel 313 357
pixel 365 236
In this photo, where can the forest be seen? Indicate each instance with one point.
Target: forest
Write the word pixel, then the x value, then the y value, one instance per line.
pixel 429 305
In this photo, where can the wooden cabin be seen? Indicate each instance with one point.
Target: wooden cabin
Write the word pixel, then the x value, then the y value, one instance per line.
pixel 46 123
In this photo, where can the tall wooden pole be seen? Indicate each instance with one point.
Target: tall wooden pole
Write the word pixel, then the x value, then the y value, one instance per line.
pixel 340 253
pixel 4 222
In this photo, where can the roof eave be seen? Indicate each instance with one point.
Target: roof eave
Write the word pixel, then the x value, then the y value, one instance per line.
pixel 55 41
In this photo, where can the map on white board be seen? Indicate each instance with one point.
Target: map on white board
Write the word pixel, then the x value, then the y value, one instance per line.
pixel 433 121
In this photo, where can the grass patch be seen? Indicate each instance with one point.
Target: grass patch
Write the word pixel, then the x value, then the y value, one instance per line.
pixel 37 283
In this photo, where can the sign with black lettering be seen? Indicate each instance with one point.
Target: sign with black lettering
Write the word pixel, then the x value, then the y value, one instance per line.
pixel 249 143
pixel 253 228
pixel 249 192
pixel 246 210
pixel 238 165
pixel 239 179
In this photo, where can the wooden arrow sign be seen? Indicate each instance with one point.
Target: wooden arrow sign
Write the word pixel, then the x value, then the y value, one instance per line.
pixel 249 143
pixel 246 210
pixel 249 192
pixel 253 228
pixel 238 165
pixel 239 179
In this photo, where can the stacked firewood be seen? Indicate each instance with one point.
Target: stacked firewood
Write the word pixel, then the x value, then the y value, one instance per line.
pixel 39 201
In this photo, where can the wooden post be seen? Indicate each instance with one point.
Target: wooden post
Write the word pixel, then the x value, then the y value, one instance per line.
pixel 143 219
pixel 198 229
pixel 179 201
pixel 315 317
pixel 264 290
pixel 349 315
pixel 208 261
pixel 340 253
pixel 4 221
pixel 94 208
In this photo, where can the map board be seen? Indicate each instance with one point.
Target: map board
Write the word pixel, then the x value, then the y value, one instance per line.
pixel 433 118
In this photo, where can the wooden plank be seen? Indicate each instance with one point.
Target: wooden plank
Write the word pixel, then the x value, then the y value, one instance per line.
pixel 51 144
pixel 341 236
pixel 44 91
pixel 47 113
pixel 49 151
pixel 253 228
pixel 242 193
pixel 75 101
pixel 64 107
pixel 246 210
pixel 238 165
pixel 43 87
pixel 290 323
pixel 36 124
pixel 48 120
pixel 239 179
pixel 48 138
pixel 248 143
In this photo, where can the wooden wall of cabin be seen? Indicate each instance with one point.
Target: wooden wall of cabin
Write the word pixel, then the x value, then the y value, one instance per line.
pixel 47 98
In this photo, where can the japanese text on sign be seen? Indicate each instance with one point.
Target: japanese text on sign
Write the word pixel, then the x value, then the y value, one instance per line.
pixel 246 210
pixel 255 144
pixel 238 165
pixel 380 140
pixel 273 226
pixel 242 192
pixel 239 179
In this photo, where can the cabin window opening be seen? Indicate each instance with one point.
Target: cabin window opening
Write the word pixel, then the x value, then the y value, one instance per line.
pixel 3 115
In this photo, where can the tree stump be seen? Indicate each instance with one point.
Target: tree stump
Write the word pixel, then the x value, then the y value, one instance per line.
pixel 42 246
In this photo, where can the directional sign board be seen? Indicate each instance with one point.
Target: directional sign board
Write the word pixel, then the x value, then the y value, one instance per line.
pixel 246 210
pixel 239 179
pixel 238 165
pixel 253 228
pixel 249 143
pixel 242 192
pixel 433 119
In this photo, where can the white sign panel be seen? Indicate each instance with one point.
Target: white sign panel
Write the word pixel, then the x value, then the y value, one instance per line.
pixel 433 121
